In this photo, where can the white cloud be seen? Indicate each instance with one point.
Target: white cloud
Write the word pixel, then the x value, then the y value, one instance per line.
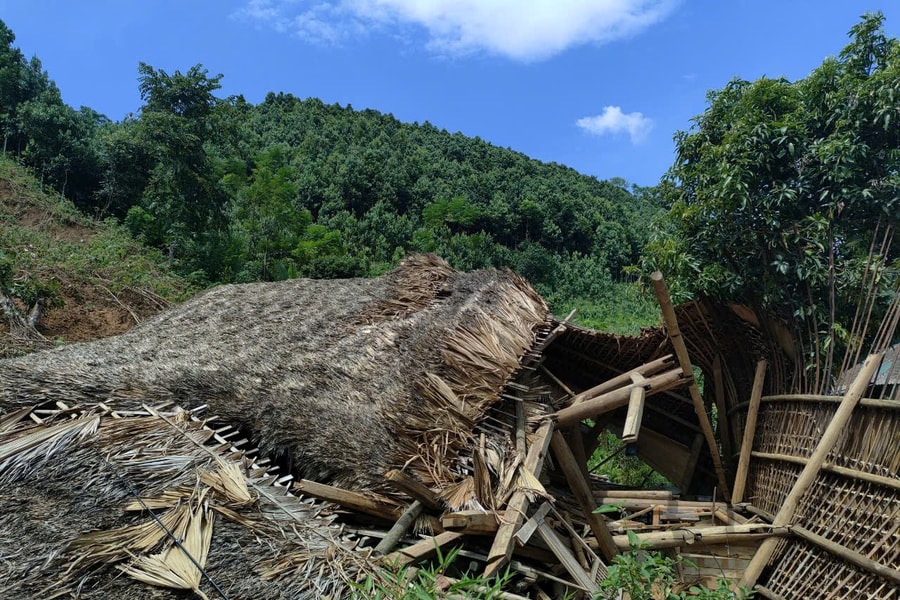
pixel 614 121
pixel 519 29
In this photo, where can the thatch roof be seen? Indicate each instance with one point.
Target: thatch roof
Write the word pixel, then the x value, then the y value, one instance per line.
pixel 347 379
pixel 344 380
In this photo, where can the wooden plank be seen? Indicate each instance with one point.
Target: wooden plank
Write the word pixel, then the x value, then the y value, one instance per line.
pixel 617 398
pixel 671 321
pixel 740 479
pixel 477 522
pixel 530 527
pixel 583 495
pixel 422 549
pixel 566 558
pixel 414 489
pixel 811 470
pixel 501 549
pixel 350 500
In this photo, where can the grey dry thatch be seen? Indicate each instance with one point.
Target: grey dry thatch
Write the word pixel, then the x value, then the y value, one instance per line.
pixel 344 379
pixel 348 379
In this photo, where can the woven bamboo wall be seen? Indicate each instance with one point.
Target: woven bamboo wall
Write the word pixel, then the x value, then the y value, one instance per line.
pixel 853 503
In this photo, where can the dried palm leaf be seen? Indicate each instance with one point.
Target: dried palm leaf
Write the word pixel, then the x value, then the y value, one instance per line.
pixel 9 421
pixel 178 567
pixel 22 452
pixel 229 481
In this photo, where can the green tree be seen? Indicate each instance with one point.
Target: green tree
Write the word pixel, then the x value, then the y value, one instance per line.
pixel 183 205
pixel 780 186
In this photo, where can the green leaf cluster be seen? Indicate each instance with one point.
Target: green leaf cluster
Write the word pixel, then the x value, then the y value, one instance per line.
pixel 780 189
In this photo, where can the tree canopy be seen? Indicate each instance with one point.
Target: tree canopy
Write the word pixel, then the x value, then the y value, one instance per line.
pixel 781 188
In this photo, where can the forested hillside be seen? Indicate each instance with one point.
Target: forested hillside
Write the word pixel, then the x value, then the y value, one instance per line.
pixel 230 191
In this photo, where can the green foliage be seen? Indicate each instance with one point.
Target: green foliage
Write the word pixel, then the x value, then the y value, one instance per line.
pixel 610 460
pixel 780 186
pixel 438 580
pixel 652 575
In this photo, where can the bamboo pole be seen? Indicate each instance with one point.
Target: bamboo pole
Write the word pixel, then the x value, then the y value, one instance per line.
pixel 617 398
pixel 632 428
pixel 813 467
pixel 400 527
pixel 627 378
pixel 722 534
pixel 724 426
pixel 891 482
pixel 671 321
pixel 582 491
pixel 502 548
pixel 740 479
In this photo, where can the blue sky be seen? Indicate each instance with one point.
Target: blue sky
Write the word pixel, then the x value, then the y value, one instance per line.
pixel 598 85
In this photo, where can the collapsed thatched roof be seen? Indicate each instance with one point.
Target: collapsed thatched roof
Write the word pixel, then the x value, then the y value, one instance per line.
pixel 347 378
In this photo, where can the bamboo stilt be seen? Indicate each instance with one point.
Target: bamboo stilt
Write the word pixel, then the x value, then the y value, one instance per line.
pixel 740 479
pixel 671 321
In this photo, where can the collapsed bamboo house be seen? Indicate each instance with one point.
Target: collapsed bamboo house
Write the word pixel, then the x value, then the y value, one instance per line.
pixel 288 439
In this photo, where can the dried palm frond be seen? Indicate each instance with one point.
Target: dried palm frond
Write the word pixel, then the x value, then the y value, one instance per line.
pixel 9 421
pixel 24 451
pixel 178 566
pixel 229 481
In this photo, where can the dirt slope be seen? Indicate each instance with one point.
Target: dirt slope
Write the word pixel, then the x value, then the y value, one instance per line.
pixel 92 279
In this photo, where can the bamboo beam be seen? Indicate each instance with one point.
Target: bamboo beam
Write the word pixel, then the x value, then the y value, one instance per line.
pixel 632 428
pixel 864 402
pixel 891 482
pixel 722 534
pixel 400 527
pixel 811 470
pixel 582 491
pixel 671 321
pixel 617 398
pixel 502 548
pixel 767 593
pixel 740 478
pixel 645 370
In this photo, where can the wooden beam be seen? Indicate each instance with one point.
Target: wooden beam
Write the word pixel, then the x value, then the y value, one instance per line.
pixel 671 321
pixel 582 491
pixel 501 549
pixel 617 398
pixel 477 522
pixel 415 489
pixel 740 478
pixel 811 470
pixel 722 426
pixel 350 500
pixel 691 466
pixel 420 550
